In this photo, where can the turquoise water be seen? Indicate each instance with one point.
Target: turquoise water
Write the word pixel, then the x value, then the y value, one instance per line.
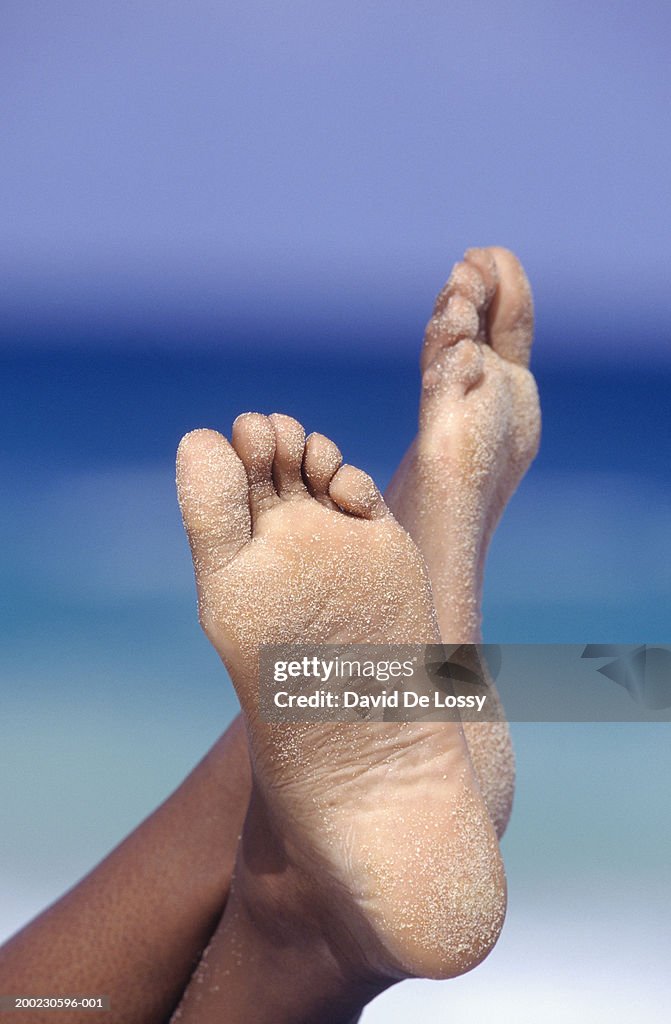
pixel 110 693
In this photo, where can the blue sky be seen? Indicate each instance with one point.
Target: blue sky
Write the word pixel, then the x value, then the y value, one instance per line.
pixel 173 171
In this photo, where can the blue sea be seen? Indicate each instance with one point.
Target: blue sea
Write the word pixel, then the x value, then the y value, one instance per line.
pixel 110 693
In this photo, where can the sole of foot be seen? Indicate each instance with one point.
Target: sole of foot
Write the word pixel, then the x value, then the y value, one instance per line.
pixel 375 833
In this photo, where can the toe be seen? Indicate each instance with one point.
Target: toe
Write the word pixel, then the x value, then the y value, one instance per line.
pixel 212 492
pixel 510 318
pixel 466 280
pixel 289 448
pixel 254 440
pixel 483 260
pixel 355 492
pixel 321 461
pixel 458 320
pixel 454 370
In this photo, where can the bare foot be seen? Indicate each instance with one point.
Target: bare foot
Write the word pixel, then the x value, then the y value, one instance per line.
pixel 374 836
pixel 479 428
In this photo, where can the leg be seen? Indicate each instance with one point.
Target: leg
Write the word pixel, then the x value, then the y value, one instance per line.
pixel 135 927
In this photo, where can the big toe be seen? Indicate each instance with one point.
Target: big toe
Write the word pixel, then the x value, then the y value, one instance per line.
pixel 510 316
pixel 213 496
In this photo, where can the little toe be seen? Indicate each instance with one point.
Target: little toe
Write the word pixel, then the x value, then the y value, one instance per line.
pixel 212 491
pixel 321 461
pixel 355 492
pixel 510 318
pixel 289 448
pixel 253 438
